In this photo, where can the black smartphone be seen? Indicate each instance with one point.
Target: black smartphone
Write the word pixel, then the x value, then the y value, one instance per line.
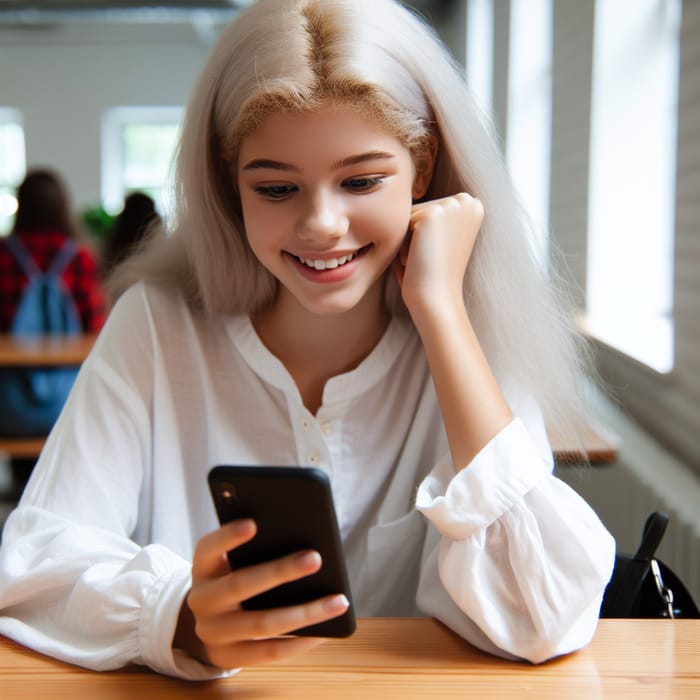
pixel 293 510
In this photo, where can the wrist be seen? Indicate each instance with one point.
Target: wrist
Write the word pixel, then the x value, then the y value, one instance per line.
pixel 185 637
pixel 431 313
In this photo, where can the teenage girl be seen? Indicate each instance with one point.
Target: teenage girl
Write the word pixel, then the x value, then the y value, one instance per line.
pixel 348 284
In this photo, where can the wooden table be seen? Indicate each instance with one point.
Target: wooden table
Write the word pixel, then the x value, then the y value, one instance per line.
pixel 599 448
pixel 39 351
pixel 44 351
pixel 394 658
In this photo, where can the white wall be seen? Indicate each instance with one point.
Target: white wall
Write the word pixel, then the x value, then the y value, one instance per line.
pixel 63 78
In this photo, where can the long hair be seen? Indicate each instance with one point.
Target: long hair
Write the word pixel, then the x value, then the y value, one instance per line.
pixel 380 56
pixel 43 204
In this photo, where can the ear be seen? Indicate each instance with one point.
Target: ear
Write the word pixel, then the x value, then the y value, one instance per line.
pixel 424 161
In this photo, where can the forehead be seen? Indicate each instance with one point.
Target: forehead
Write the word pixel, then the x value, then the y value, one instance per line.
pixel 332 131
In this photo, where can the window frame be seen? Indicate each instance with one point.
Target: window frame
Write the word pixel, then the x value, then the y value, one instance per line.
pixel 114 121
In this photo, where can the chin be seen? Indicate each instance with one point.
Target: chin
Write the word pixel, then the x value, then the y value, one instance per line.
pixel 331 305
pixel 329 309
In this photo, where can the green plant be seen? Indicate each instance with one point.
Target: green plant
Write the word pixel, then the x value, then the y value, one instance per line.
pixel 98 222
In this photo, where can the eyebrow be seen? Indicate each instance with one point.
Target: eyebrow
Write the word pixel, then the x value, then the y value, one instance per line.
pixel 266 163
pixel 362 158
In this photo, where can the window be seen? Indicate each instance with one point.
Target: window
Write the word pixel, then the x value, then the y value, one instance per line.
pixel 12 165
pixel 632 174
pixel 528 138
pixel 480 52
pixel 138 144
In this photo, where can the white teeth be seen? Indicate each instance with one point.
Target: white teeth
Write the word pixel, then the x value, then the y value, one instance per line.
pixel 327 264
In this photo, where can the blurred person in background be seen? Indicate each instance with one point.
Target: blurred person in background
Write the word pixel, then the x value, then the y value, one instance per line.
pixel 43 223
pixel 137 217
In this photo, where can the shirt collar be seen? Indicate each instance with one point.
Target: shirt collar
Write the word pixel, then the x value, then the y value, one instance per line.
pixel 342 387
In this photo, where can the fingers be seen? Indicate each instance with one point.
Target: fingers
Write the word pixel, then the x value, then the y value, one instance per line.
pixel 242 625
pixel 443 233
pixel 248 638
pixel 231 636
pixel 257 652
pixel 462 204
pixel 225 592
pixel 210 554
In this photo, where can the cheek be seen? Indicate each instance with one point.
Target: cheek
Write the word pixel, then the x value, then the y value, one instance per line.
pixel 254 228
pixel 260 223
pixel 395 214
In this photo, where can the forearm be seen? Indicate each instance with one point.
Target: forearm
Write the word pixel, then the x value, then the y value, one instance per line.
pixel 473 407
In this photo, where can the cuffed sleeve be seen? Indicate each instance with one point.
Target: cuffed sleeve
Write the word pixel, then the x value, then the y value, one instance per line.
pixel 88 596
pixel 523 559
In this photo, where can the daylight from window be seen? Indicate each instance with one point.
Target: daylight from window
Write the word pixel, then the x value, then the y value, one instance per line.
pixel 480 52
pixel 138 144
pixel 632 176
pixel 528 131
pixel 12 165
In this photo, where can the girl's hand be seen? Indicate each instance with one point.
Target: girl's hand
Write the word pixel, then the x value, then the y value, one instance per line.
pixel 432 262
pixel 213 626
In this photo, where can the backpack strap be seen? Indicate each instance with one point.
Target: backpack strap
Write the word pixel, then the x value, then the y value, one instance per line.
pixel 60 261
pixel 22 256
pixel 62 258
pixel 654 529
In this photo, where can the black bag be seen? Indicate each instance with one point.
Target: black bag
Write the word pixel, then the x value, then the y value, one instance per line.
pixel 642 586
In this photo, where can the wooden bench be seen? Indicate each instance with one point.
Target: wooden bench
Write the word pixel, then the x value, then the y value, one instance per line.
pixel 39 351
pixel 599 449
pixel 21 448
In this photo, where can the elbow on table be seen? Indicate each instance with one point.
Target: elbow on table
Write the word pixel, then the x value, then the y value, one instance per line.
pixel 559 640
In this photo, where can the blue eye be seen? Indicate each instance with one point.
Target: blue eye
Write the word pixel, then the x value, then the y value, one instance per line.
pixel 362 184
pixel 275 191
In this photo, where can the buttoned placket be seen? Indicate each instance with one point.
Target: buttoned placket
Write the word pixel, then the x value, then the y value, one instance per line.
pixel 312 439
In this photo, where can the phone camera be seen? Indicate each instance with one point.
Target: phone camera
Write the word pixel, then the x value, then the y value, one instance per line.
pixel 227 493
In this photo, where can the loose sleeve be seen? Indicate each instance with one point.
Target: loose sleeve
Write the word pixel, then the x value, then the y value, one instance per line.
pixel 516 562
pixel 89 597
pixel 81 579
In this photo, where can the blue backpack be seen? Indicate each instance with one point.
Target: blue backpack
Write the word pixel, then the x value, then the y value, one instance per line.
pixel 33 398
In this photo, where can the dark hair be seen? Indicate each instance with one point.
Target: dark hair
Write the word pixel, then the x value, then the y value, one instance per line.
pixel 43 204
pixel 130 227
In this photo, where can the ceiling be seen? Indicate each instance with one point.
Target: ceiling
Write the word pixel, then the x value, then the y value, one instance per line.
pixel 103 5
pixel 124 11
pixel 28 12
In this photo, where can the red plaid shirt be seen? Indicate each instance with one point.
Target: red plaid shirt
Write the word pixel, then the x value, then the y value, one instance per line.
pixel 81 276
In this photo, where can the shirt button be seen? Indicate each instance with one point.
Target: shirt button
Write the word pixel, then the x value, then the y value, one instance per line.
pixel 305 423
pixel 313 459
pixel 327 427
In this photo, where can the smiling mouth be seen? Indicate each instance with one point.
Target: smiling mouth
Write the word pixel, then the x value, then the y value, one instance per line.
pixel 329 263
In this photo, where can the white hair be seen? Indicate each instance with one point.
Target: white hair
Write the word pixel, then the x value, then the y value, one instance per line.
pixel 380 56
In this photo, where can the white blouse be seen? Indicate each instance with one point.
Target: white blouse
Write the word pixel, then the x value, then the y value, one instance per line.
pixel 95 561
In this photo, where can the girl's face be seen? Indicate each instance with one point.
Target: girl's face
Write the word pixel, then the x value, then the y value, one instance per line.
pixel 326 198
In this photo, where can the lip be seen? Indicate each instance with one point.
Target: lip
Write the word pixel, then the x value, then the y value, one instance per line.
pixel 327 255
pixel 330 275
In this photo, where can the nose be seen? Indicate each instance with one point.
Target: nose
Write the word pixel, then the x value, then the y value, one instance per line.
pixel 323 218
